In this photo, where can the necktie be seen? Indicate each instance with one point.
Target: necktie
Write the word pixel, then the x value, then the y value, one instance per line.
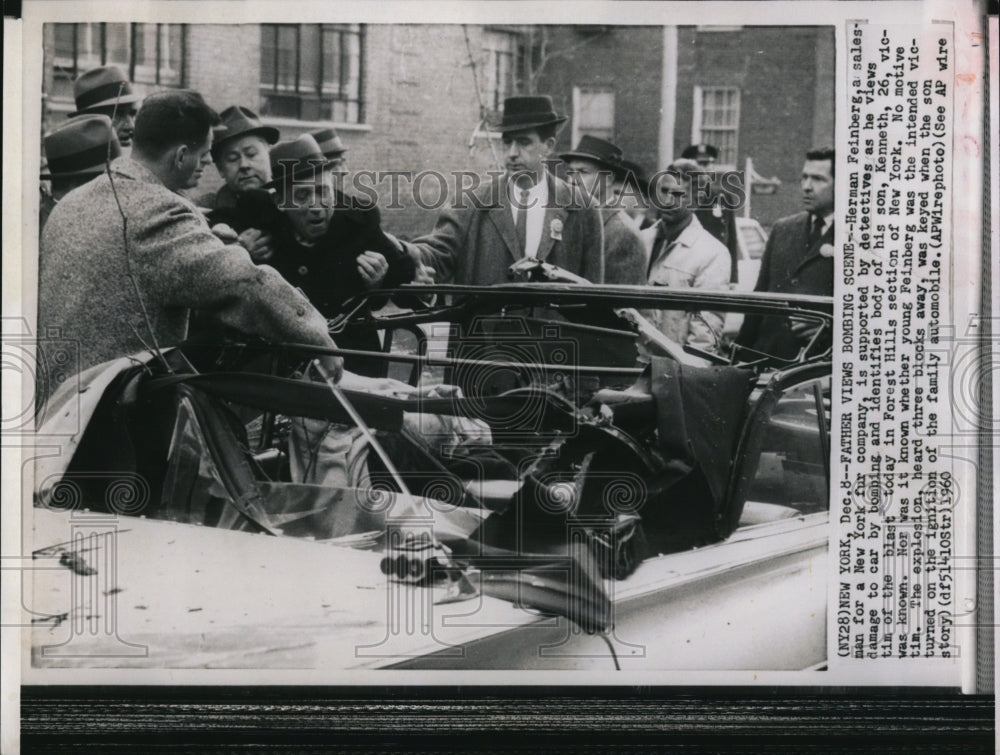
pixel 522 222
pixel 816 232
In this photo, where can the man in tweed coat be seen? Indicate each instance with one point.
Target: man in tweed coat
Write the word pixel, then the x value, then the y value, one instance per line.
pixel 596 168
pixel 526 212
pixel 125 257
pixel 798 259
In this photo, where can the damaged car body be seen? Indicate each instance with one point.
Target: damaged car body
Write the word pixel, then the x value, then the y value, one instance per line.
pixel 551 457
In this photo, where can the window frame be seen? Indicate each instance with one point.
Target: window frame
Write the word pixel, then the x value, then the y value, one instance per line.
pixel 70 68
pixel 698 128
pixel 579 129
pixel 316 89
pixel 497 43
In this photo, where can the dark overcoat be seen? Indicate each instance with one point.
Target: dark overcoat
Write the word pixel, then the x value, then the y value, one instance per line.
pixel 327 272
pixel 790 265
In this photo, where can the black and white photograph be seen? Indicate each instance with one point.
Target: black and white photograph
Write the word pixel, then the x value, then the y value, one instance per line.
pixel 498 344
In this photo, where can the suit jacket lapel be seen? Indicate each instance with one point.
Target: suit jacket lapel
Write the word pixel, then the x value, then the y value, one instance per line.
pixel 812 252
pixel 504 223
pixel 545 244
pixel 556 210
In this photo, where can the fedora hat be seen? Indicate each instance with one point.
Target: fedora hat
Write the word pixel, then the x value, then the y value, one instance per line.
pixel 329 142
pixel 300 159
pixel 528 112
pixel 236 121
pixel 596 150
pixel 102 87
pixel 80 146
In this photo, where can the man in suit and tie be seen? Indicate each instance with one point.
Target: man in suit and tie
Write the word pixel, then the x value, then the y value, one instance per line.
pixel 526 212
pixel 798 259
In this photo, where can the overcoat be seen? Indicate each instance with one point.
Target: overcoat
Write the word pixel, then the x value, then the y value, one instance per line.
pixel 790 265
pixel 624 251
pixel 475 242
pixel 327 273
pixel 122 264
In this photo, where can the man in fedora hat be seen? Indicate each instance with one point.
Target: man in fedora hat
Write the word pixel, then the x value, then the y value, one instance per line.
pixel 240 152
pixel 106 91
pixel 329 251
pixel 332 147
pixel 526 212
pixel 596 168
pixel 76 152
pixel 335 152
pixel 126 257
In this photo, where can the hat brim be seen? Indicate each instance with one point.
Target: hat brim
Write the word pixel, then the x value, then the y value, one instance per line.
pixel 616 168
pixel 267 133
pixel 335 153
pixel 505 128
pixel 298 177
pixel 125 99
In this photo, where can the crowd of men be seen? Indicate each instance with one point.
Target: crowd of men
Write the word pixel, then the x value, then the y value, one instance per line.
pixel 127 255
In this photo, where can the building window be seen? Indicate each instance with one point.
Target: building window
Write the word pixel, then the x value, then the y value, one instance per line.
pixel 500 69
pixel 312 72
pixel 717 121
pixel 593 113
pixel 151 55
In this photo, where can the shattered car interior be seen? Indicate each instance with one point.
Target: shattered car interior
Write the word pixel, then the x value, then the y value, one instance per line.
pixel 533 441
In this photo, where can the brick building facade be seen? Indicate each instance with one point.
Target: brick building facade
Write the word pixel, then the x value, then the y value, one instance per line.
pixel 766 93
pixel 783 82
pixel 405 97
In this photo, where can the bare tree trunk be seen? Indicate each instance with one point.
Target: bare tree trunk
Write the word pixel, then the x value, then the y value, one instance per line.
pixel 539 51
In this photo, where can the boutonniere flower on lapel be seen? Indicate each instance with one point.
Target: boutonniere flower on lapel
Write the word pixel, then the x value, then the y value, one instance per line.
pixel 826 250
pixel 555 229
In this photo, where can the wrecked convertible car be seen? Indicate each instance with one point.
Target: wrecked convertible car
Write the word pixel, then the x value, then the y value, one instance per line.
pixel 540 481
